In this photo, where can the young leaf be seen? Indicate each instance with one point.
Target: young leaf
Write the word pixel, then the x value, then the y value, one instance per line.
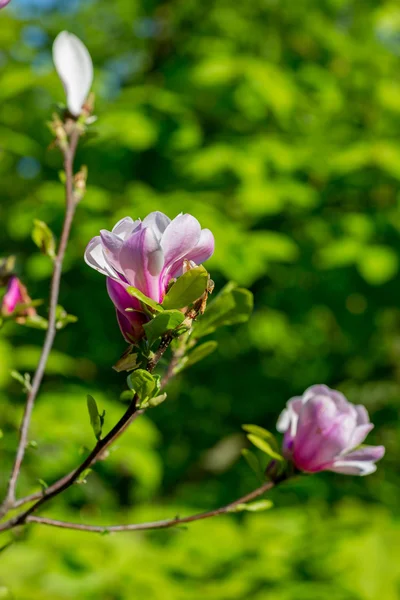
pixel 142 383
pixel 232 305
pixel 35 321
pixel 257 506
pixel 199 353
pixel 264 446
pixel 187 288
pixel 24 380
pixel 263 434
pixel 253 463
pixel 151 304
pixel 43 238
pixel 63 318
pixel 162 323
pixel 156 400
pixel 96 420
pixel 127 362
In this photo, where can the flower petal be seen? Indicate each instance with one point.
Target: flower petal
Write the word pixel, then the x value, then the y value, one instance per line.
pixel 112 245
pixel 180 237
pixel 141 259
pixel 95 258
pixel 352 467
pixel 125 227
pixel 359 435
pixel 200 253
pixel 158 222
pixel 75 69
pixel 120 297
pixel 362 414
pixel 366 453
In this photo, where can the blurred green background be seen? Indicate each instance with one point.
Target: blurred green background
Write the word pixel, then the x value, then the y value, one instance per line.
pixel 276 123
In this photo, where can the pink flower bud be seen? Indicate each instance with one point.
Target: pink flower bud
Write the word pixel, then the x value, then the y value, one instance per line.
pixel 146 255
pixel 16 294
pixel 323 432
pixel 75 69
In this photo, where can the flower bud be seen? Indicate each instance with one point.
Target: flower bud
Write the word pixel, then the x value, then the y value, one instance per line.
pixel 146 255
pixel 323 432
pixel 75 69
pixel 15 295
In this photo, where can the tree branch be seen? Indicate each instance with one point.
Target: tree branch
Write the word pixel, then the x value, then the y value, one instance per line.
pixel 164 524
pixel 69 155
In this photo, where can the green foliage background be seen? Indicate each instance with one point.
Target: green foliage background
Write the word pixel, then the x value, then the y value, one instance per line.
pixel 276 123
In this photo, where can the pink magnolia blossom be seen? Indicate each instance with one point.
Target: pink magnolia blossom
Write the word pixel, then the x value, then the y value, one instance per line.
pixel 146 255
pixel 323 432
pixel 15 295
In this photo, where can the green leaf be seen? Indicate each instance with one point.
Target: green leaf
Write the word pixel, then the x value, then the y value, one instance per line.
pixel 127 362
pixel 43 238
pixel 24 380
pixel 199 353
pixel 162 323
pixel 263 434
pixel 148 302
pixel 253 463
pixel 142 383
pixel 43 484
pixel 232 305
pixel 264 446
pixel 187 288
pixel 35 322
pixel 257 506
pixel 156 400
pixel 63 318
pixel 96 419
pixel 83 476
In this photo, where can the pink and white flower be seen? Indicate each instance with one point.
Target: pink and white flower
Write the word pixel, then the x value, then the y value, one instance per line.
pixel 146 255
pixel 323 432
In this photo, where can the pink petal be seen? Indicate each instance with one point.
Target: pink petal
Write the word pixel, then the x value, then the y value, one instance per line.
pixel 200 253
pixel 158 222
pixel 359 435
pixel 141 259
pixel 362 414
pixel 179 238
pixel 125 227
pixel 366 453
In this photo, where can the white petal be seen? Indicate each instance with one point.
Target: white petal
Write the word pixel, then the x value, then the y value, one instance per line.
pixel 125 227
pixel 75 69
pixel 356 467
pixel 158 222
pixel 94 257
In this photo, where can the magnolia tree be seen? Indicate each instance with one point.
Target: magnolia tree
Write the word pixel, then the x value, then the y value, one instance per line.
pixel 160 289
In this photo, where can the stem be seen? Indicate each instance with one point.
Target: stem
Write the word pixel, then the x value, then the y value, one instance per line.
pixel 69 154
pixel 165 524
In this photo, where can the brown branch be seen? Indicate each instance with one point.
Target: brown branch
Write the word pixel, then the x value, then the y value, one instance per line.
pixel 164 524
pixel 69 154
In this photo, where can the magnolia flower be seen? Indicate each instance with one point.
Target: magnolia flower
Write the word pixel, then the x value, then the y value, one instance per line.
pixel 323 432
pixel 146 255
pixel 75 69
pixel 15 295
pixel 4 3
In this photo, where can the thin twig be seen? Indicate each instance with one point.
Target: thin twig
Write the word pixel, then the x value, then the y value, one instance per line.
pixel 98 450
pixel 164 524
pixel 69 154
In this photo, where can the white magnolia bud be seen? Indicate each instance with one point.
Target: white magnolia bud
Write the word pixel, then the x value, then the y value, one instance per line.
pixel 75 69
